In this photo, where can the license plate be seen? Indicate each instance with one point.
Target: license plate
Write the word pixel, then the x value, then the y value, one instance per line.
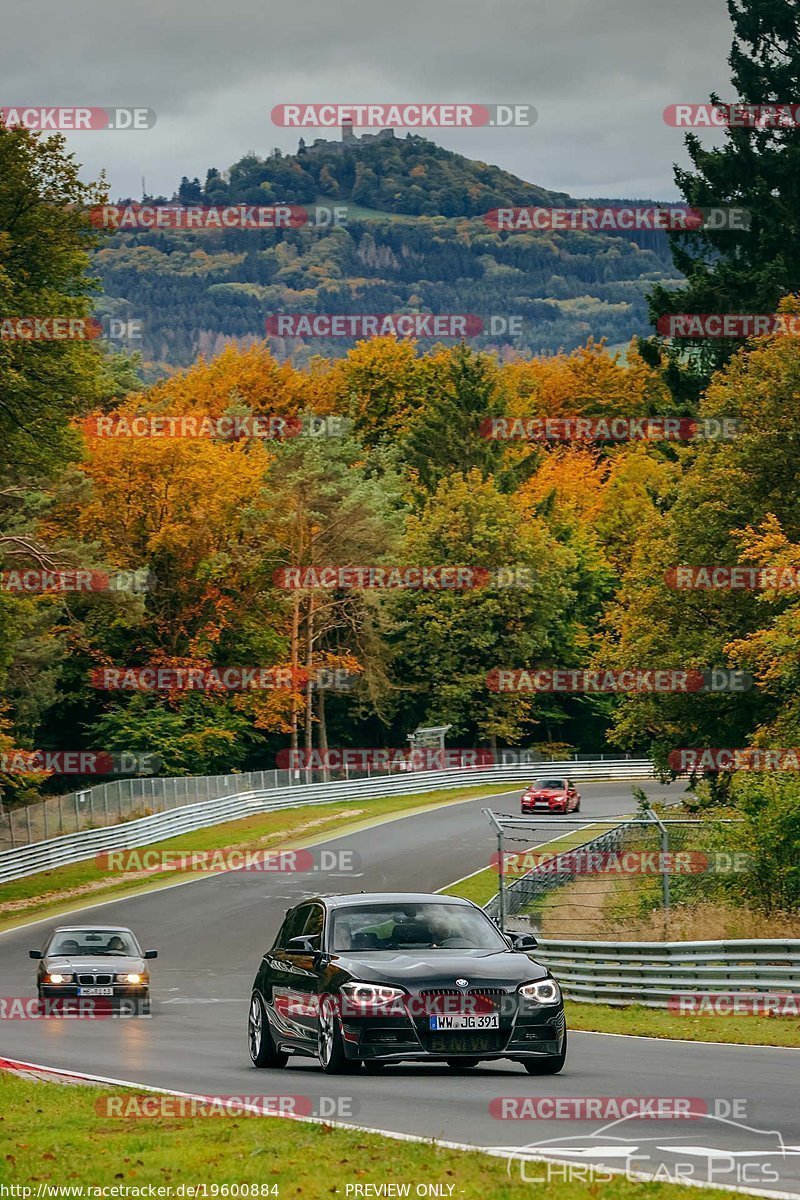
pixel 95 991
pixel 464 1021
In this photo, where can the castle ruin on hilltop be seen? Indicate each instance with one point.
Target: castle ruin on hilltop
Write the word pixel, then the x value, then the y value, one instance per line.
pixel 348 140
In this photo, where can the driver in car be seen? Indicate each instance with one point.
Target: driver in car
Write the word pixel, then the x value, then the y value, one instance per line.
pixel 443 930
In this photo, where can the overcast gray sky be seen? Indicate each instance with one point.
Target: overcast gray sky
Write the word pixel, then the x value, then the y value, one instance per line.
pixel 599 73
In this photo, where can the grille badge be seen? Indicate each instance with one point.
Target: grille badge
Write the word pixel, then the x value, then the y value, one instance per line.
pixel 462 983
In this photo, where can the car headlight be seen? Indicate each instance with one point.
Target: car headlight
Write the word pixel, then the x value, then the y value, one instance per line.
pixel 57 977
pixel 131 977
pixel 543 991
pixel 368 995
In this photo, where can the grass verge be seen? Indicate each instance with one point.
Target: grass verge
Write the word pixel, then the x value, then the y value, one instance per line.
pixel 655 1022
pixel 61 1139
pixel 48 893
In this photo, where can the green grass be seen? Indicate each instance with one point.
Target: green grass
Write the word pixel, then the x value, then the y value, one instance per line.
pixel 483 885
pixel 358 212
pixel 654 1022
pixel 60 1139
pixel 48 893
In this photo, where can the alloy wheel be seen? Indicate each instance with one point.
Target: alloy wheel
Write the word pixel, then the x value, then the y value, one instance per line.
pixel 255 1027
pixel 327 1031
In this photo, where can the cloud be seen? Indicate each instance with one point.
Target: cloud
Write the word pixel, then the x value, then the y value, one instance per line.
pixel 598 74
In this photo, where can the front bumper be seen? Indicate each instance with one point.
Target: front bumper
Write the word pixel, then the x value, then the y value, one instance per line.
pixel 137 991
pixel 64 1000
pixel 525 1031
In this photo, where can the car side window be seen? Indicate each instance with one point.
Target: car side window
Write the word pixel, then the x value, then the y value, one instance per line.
pixel 291 927
pixel 295 924
pixel 280 937
pixel 315 923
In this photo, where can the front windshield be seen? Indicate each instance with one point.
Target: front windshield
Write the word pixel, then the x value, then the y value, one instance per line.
pixel 552 785
pixel 91 942
pixel 414 927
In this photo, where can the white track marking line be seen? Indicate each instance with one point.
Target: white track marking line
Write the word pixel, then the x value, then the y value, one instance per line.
pixel 645 1037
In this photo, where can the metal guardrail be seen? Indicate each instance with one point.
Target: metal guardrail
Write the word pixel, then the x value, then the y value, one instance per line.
pixel 657 974
pixel 76 847
pixel 124 800
pixel 127 799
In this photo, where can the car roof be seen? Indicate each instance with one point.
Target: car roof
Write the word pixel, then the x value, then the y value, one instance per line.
pixel 94 928
pixel 349 901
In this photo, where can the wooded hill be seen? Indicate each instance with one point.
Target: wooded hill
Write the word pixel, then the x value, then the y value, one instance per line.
pixel 415 239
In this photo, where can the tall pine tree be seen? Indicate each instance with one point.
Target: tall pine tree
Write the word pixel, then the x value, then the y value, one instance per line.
pixel 757 169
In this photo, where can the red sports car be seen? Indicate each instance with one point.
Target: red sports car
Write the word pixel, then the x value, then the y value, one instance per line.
pixel 551 795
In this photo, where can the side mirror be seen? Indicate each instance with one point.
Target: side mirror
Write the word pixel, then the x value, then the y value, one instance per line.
pixel 302 945
pixel 523 941
pixel 35 954
pixel 150 954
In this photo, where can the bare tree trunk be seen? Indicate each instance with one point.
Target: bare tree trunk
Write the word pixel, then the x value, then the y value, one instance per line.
pixel 309 713
pixel 295 663
pixel 295 649
pixel 323 733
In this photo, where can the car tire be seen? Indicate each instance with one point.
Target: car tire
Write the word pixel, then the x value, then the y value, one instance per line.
pixel 578 807
pixel 330 1043
pixel 461 1064
pixel 547 1066
pixel 263 1052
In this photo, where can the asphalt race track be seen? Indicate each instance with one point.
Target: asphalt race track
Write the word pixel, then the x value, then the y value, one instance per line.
pixel 211 934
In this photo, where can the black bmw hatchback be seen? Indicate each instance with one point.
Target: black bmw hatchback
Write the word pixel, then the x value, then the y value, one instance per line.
pixel 386 977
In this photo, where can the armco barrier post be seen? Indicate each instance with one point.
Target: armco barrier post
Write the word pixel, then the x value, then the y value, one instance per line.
pixel 501 867
pixel 665 872
pixel 665 896
pixel 501 880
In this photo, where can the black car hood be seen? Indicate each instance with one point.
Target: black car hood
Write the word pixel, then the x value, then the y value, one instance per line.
pixel 421 969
